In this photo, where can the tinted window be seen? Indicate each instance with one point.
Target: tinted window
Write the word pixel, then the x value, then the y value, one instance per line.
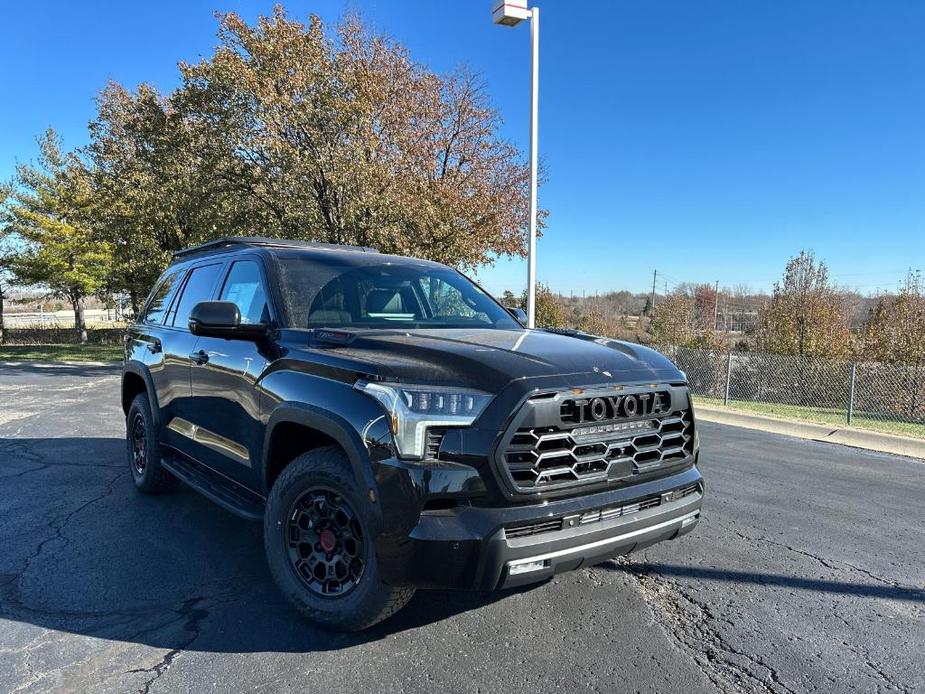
pixel 160 298
pixel 385 295
pixel 244 287
pixel 198 288
pixel 445 299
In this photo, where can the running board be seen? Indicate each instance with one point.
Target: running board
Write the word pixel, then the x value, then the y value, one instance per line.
pixel 229 495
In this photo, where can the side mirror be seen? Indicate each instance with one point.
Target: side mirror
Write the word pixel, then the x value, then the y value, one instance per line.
pixel 519 314
pixel 223 319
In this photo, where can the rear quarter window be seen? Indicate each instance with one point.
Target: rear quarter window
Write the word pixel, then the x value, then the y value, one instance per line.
pixel 160 298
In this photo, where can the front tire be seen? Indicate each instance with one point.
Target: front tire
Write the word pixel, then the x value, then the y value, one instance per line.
pixel 318 546
pixel 144 449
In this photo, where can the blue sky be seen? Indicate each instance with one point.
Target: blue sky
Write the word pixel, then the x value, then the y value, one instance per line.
pixel 710 140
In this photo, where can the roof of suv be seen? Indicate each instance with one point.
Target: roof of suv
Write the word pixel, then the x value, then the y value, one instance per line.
pixel 285 248
pixel 231 243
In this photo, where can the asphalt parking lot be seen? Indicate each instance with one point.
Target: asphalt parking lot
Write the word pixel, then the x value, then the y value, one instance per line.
pixel 806 574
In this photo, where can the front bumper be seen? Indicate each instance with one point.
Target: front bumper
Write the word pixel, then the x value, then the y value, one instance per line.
pixel 470 548
pixel 519 570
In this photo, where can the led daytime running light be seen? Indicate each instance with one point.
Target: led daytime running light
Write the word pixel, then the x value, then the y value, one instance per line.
pixel 412 409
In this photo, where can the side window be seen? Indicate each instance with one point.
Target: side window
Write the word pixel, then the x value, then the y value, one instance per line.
pixel 160 298
pixel 198 288
pixel 447 301
pixel 244 287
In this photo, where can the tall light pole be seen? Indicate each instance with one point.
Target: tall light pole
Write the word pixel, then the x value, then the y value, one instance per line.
pixel 511 13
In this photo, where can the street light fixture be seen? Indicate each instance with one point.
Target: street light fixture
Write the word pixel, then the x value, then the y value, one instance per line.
pixel 511 13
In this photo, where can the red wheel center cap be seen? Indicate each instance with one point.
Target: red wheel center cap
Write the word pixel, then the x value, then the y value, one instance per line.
pixel 328 540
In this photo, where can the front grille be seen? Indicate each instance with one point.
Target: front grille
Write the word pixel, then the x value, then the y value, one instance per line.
pixel 547 457
pixel 534 528
pixel 600 514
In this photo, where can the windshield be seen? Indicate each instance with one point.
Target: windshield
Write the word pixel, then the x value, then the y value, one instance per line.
pixel 385 295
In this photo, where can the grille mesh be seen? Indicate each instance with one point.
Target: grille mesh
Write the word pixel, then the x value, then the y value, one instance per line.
pixel 549 457
pixel 600 514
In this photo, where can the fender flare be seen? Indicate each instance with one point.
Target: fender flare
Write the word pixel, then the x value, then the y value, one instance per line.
pixel 133 366
pixel 332 425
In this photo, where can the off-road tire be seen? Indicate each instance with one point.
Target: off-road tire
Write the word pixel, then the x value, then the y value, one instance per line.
pixel 151 478
pixel 370 600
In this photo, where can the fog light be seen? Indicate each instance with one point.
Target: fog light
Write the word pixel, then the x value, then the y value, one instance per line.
pixel 526 567
pixel 687 521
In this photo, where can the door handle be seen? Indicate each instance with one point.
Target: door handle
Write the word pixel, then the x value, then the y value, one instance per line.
pixel 199 357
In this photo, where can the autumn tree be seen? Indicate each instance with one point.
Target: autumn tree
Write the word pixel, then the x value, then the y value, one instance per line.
pixel 49 214
pixel 593 315
pixel 685 318
pixel 548 308
pixel 341 136
pixel 705 300
pixel 804 315
pixel 895 333
pixel 596 322
pixel 157 189
pixel 671 320
pixel 306 132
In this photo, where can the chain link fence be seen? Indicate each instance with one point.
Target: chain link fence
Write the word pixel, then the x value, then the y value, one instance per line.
pixel 882 397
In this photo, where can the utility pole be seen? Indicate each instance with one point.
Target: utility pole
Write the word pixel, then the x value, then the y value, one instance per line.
pixel 716 305
pixel 654 278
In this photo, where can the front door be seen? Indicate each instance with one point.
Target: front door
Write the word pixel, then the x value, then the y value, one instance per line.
pixel 224 380
pixel 179 345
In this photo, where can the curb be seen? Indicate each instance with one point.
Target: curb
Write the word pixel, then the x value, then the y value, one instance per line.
pixel 856 438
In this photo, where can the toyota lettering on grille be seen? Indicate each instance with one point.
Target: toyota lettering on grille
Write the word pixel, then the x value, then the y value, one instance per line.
pixel 616 407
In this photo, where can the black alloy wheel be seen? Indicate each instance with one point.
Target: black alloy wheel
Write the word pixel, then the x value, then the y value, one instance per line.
pixel 144 450
pixel 139 443
pixel 319 538
pixel 325 543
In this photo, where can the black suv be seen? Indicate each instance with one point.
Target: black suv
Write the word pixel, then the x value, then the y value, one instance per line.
pixel 394 427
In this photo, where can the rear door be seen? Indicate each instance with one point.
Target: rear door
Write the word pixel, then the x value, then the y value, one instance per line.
pixel 224 383
pixel 179 345
pixel 149 335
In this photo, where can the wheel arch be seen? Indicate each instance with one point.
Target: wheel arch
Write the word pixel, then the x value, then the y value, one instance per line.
pixel 321 428
pixel 135 380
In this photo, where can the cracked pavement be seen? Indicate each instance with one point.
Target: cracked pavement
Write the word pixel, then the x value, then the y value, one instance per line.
pixel 806 574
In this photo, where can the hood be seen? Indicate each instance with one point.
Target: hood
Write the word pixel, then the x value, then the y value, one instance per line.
pixel 489 359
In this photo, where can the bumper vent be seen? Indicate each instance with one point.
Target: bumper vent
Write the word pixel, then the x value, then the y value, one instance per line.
pixel 534 528
pixel 433 443
pixel 681 493
pixel 601 514
pixel 550 457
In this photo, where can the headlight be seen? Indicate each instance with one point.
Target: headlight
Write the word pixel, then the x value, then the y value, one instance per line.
pixel 412 409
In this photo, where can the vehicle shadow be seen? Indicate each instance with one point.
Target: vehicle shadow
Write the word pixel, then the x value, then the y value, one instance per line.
pixel 172 571
pixel 887 591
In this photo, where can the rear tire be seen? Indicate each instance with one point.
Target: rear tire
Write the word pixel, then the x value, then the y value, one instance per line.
pixel 144 449
pixel 318 546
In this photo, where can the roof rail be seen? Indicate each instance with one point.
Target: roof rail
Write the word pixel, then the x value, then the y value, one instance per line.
pixel 262 242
